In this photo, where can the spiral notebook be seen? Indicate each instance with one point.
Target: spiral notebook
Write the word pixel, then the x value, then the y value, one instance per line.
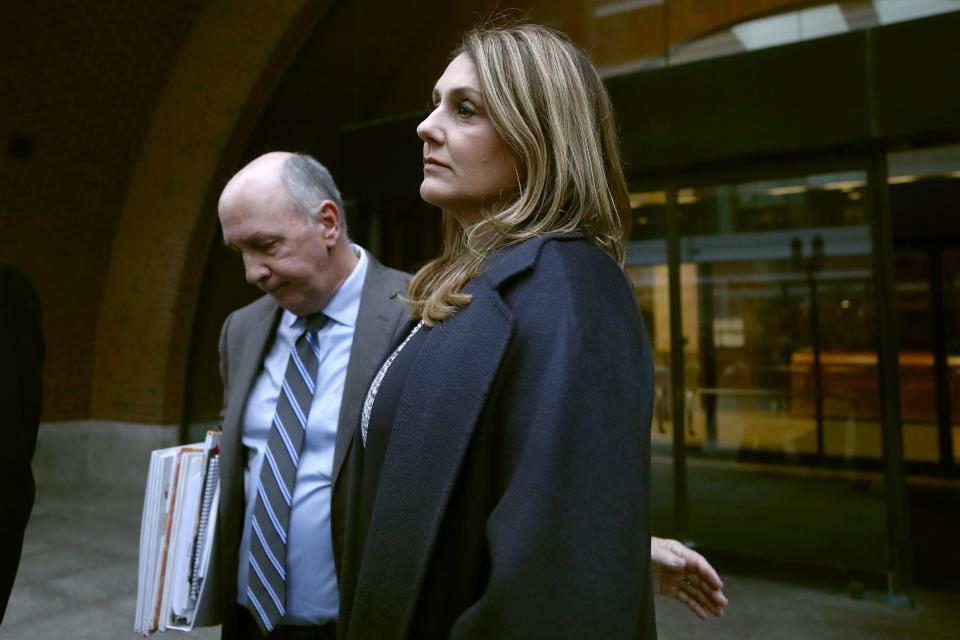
pixel 176 586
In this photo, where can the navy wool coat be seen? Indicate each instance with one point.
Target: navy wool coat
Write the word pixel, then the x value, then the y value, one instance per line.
pixel 513 500
pixel 21 392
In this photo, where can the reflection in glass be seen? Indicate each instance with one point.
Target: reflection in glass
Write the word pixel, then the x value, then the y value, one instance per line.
pixel 915 319
pixel 778 321
pixel 647 269
pixel 925 193
pixel 783 361
pixel 951 288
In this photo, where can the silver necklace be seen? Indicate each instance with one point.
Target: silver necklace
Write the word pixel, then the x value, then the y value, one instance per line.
pixel 375 385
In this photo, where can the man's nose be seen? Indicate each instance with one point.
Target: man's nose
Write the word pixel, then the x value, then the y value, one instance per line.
pixel 255 270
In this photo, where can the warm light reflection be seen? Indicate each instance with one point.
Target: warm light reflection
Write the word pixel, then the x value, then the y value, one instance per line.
pixel 902 179
pixel 647 199
pixel 788 190
pixel 844 185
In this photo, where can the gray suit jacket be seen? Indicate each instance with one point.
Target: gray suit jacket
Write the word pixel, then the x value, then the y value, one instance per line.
pixel 245 339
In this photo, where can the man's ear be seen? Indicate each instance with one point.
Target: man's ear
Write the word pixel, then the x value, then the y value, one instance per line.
pixel 329 217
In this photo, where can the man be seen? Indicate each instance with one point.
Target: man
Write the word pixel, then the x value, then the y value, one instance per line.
pixel 295 365
pixel 21 365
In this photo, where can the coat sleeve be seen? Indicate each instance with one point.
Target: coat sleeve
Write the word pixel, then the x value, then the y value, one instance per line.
pixel 568 538
pixel 21 368
pixel 224 364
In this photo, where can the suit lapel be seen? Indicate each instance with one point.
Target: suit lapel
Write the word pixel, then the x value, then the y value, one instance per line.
pixel 251 342
pixel 372 338
pixel 436 416
pixel 377 318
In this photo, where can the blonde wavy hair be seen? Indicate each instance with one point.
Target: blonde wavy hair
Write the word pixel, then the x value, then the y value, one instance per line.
pixel 547 102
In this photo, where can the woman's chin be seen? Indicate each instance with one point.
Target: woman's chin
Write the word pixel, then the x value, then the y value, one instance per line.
pixel 431 195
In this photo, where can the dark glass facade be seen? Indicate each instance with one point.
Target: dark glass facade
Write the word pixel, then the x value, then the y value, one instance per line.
pixel 774 445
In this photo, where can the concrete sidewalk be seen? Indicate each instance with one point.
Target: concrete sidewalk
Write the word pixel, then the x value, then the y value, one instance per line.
pixel 78 580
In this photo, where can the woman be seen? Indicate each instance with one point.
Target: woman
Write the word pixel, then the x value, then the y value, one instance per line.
pixel 505 444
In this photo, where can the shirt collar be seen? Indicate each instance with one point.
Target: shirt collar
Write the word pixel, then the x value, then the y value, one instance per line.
pixel 344 306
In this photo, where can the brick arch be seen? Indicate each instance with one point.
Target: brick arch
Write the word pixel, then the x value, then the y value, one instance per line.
pixel 223 79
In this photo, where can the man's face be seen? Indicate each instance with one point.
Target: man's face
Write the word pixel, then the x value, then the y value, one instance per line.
pixel 284 253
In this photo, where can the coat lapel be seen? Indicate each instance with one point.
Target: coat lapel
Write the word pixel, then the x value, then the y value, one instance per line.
pixel 372 338
pixel 435 419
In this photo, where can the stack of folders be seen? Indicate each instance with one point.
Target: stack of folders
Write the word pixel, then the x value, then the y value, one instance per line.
pixel 176 587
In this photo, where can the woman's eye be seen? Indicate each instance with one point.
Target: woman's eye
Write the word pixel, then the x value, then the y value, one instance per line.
pixel 466 110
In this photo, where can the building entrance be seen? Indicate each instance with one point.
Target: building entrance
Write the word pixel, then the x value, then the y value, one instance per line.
pixel 778 323
pixel 760 293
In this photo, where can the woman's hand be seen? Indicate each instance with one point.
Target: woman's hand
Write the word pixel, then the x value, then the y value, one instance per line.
pixel 687 576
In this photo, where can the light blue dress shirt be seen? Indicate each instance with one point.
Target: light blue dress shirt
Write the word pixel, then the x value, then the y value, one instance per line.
pixel 312 595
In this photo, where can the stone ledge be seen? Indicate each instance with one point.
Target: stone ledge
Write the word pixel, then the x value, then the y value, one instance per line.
pixel 98 453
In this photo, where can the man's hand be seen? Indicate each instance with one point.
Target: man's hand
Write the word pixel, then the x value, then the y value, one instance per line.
pixel 687 576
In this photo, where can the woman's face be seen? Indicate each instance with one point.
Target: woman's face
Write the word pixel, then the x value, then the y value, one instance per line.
pixel 466 165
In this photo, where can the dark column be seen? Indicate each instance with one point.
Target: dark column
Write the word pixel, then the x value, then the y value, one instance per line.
pixel 677 382
pixel 900 569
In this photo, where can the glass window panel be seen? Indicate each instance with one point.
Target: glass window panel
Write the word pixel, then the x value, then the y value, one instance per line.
pixel 777 289
pixel 779 323
pixel 646 266
pixel 915 320
pixel 925 194
pixel 950 271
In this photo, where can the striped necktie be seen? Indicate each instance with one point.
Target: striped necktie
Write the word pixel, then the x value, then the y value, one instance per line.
pixel 266 589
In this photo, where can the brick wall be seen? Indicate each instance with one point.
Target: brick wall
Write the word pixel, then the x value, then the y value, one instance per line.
pixel 79 84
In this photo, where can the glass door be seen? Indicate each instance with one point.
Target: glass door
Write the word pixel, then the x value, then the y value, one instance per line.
pixel 924 185
pixel 950 282
pixel 646 266
pixel 925 192
pixel 924 318
pixel 783 434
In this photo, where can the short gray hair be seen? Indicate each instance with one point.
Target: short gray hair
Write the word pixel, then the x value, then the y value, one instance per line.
pixel 309 183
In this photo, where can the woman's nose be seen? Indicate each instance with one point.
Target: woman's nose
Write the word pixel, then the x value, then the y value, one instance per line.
pixel 428 130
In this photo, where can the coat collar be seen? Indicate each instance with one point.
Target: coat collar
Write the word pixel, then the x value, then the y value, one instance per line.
pixel 517 258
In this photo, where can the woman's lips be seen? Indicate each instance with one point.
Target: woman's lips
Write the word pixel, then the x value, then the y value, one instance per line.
pixel 431 163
